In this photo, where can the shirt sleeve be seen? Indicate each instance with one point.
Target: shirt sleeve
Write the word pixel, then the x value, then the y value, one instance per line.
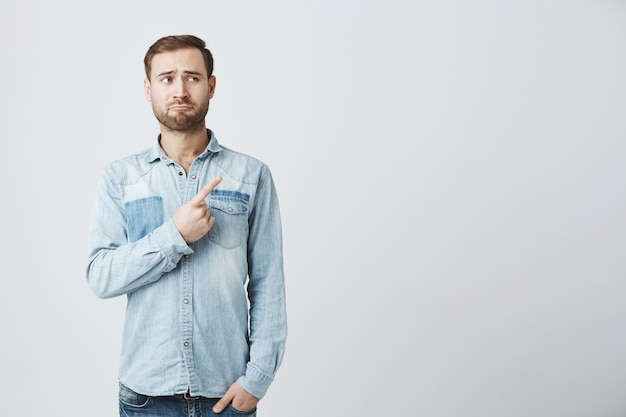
pixel 117 266
pixel 266 290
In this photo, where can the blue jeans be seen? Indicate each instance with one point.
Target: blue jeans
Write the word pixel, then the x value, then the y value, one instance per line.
pixel 133 404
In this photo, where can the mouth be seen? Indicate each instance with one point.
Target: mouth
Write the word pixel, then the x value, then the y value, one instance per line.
pixel 180 107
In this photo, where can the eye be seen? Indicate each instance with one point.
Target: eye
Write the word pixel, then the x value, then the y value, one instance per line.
pixel 166 80
pixel 194 79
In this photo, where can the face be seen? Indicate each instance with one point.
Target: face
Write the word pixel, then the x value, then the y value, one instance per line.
pixel 179 89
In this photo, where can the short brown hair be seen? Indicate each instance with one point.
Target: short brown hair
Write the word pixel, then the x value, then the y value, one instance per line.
pixel 175 42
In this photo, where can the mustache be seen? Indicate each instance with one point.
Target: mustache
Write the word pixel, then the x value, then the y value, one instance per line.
pixel 178 102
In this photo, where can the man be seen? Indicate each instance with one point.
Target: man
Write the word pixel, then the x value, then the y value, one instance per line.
pixel 190 231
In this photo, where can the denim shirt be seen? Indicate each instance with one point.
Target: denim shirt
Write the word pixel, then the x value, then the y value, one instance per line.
pixel 202 315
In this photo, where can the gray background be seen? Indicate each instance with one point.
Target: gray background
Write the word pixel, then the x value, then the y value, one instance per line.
pixel 451 176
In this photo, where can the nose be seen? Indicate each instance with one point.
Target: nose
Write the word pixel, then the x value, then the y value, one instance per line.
pixel 179 88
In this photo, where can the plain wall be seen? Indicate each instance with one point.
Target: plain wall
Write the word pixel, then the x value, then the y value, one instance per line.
pixel 451 178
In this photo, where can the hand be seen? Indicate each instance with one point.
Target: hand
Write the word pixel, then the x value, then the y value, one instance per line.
pixel 193 220
pixel 238 397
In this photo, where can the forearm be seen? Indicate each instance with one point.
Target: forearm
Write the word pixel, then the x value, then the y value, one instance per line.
pixel 268 333
pixel 266 292
pixel 119 269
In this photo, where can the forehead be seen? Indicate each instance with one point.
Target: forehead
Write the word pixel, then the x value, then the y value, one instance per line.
pixel 188 59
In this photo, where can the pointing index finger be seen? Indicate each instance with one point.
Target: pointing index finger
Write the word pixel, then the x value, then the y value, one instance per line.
pixel 206 190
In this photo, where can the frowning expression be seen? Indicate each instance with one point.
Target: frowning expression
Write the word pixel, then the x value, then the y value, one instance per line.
pixel 179 89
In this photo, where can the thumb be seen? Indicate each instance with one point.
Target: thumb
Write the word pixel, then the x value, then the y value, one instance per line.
pixel 223 402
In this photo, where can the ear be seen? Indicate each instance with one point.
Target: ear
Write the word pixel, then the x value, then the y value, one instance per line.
pixel 211 86
pixel 146 89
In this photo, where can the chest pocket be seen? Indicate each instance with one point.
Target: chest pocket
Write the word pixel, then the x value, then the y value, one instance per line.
pixel 143 216
pixel 230 209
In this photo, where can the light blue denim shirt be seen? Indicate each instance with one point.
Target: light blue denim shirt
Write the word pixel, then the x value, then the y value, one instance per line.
pixel 199 316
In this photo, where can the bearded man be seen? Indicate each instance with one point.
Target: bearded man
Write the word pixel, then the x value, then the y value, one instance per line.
pixel 189 230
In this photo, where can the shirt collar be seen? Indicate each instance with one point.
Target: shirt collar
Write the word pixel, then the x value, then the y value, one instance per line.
pixel 156 152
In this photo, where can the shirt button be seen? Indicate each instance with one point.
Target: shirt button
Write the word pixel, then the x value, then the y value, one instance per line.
pixel 230 209
pixel 186 344
pixel 186 301
pixel 193 177
pixel 180 173
pixel 186 256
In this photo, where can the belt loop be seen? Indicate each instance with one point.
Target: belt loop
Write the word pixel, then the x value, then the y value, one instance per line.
pixel 188 396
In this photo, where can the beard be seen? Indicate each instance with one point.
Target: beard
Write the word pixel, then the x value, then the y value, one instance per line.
pixel 183 122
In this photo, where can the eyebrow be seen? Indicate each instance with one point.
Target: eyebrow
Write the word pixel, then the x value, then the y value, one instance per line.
pixel 186 72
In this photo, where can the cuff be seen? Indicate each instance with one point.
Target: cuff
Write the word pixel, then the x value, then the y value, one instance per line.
pixel 169 241
pixel 255 381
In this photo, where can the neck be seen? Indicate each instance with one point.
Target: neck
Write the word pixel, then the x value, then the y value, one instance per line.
pixel 184 147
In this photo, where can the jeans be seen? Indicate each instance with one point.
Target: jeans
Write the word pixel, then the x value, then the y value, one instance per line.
pixel 133 404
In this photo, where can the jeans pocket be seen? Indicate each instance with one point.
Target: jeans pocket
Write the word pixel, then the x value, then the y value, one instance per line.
pixel 236 412
pixel 130 398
